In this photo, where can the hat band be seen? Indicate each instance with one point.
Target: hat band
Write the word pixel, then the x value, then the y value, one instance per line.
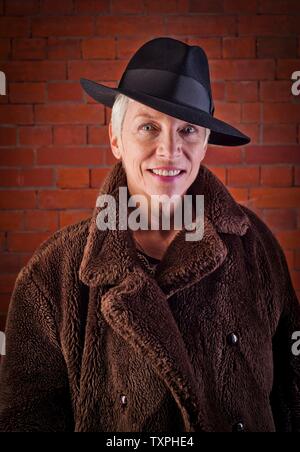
pixel 169 86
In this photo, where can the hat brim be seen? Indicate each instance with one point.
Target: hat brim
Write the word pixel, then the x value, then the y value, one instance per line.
pixel 222 133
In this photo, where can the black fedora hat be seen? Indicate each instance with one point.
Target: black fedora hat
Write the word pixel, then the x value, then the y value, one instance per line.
pixel 172 77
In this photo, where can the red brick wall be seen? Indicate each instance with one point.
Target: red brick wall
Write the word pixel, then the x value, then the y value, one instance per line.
pixel 54 144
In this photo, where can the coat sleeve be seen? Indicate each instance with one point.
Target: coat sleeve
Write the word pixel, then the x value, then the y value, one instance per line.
pixel 285 396
pixel 34 391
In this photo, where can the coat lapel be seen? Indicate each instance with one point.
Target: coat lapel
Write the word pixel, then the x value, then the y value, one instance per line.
pixel 135 305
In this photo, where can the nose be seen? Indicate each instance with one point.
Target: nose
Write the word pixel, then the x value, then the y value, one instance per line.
pixel 169 145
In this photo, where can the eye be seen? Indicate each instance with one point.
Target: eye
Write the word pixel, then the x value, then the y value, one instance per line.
pixel 146 125
pixel 190 127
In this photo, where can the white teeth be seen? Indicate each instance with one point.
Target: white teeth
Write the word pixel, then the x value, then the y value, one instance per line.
pixel 166 173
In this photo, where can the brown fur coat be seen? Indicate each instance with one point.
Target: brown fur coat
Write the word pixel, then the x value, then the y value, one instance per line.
pixel 94 343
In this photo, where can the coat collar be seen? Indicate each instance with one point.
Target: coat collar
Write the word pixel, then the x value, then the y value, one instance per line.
pixel 135 304
pixel 111 255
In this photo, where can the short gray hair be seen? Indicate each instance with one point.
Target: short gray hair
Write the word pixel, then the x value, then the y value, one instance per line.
pixel 118 114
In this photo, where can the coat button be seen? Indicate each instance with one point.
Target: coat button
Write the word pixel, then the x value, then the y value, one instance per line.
pixel 238 427
pixel 123 400
pixel 232 339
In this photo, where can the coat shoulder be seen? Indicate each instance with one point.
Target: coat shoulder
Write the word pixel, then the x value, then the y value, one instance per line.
pixel 59 255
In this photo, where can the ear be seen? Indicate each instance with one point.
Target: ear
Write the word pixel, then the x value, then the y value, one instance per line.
pixel 114 143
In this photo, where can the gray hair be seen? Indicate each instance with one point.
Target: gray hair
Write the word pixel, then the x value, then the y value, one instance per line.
pixel 118 114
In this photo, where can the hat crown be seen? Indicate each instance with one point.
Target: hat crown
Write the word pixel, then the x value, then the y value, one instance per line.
pixel 175 56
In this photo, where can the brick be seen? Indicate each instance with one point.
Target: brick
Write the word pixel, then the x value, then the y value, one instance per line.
pixel 275 197
pixel 239 194
pixel 160 8
pixel 16 157
pixel 7 282
pixel 241 91
pixel 242 69
pixel 73 216
pixel 280 134
pixel 216 25
pixel 228 111
pixel 289 239
pixel 68 199
pixel 219 156
pixel 35 136
pixel 297 259
pixel 236 6
pixel 252 130
pixel 27 93
pixel 11 221
pixel 5 49
pixel 251 112
pixel 14 27
pixel 200 6
pixel 276 47
pixel 64 49
pixel 268 25
pixel 21 7
pixel 275 91
pixel 8 136
pixel 218 91
pixel 127 6
pixel 70 135
pixel 63 26
pixel 78 156
pixel 26 241
pixel 4 304
pixel 129 25
pixel 239 47
pixel 289 255
pixel 297 175
pixel 285 68
pixel 64 92
pixel 272 154
pixel 220 173
pixel 1 7
pixel 57 6
pixel 280 219
pixel 126 46
pixel 109 158
pixel 34 71
pixel 109 69
pixel 295 276
pixel 29 49
pixel 36 177
pixel 41 220
pixel 277 176
pixel 67 114
pixel 281 112
pixel 98 175
pixel 279 6
pixel 16 114
pixel 211 46
pixel 243 176
pixel 98 135
pixel 73 177
pixel 9 263
pixel 98 48
pixel 17 199
pixel 92 6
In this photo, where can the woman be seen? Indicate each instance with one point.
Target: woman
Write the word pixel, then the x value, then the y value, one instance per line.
pixel 142 330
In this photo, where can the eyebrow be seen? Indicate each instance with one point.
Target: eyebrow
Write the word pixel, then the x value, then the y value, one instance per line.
pixel 148 115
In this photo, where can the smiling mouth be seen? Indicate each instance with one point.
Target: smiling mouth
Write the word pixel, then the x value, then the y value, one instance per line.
pixel 166 173
pixel 166 176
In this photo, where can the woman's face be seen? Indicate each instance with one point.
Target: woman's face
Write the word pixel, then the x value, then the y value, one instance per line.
pixel 153 140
